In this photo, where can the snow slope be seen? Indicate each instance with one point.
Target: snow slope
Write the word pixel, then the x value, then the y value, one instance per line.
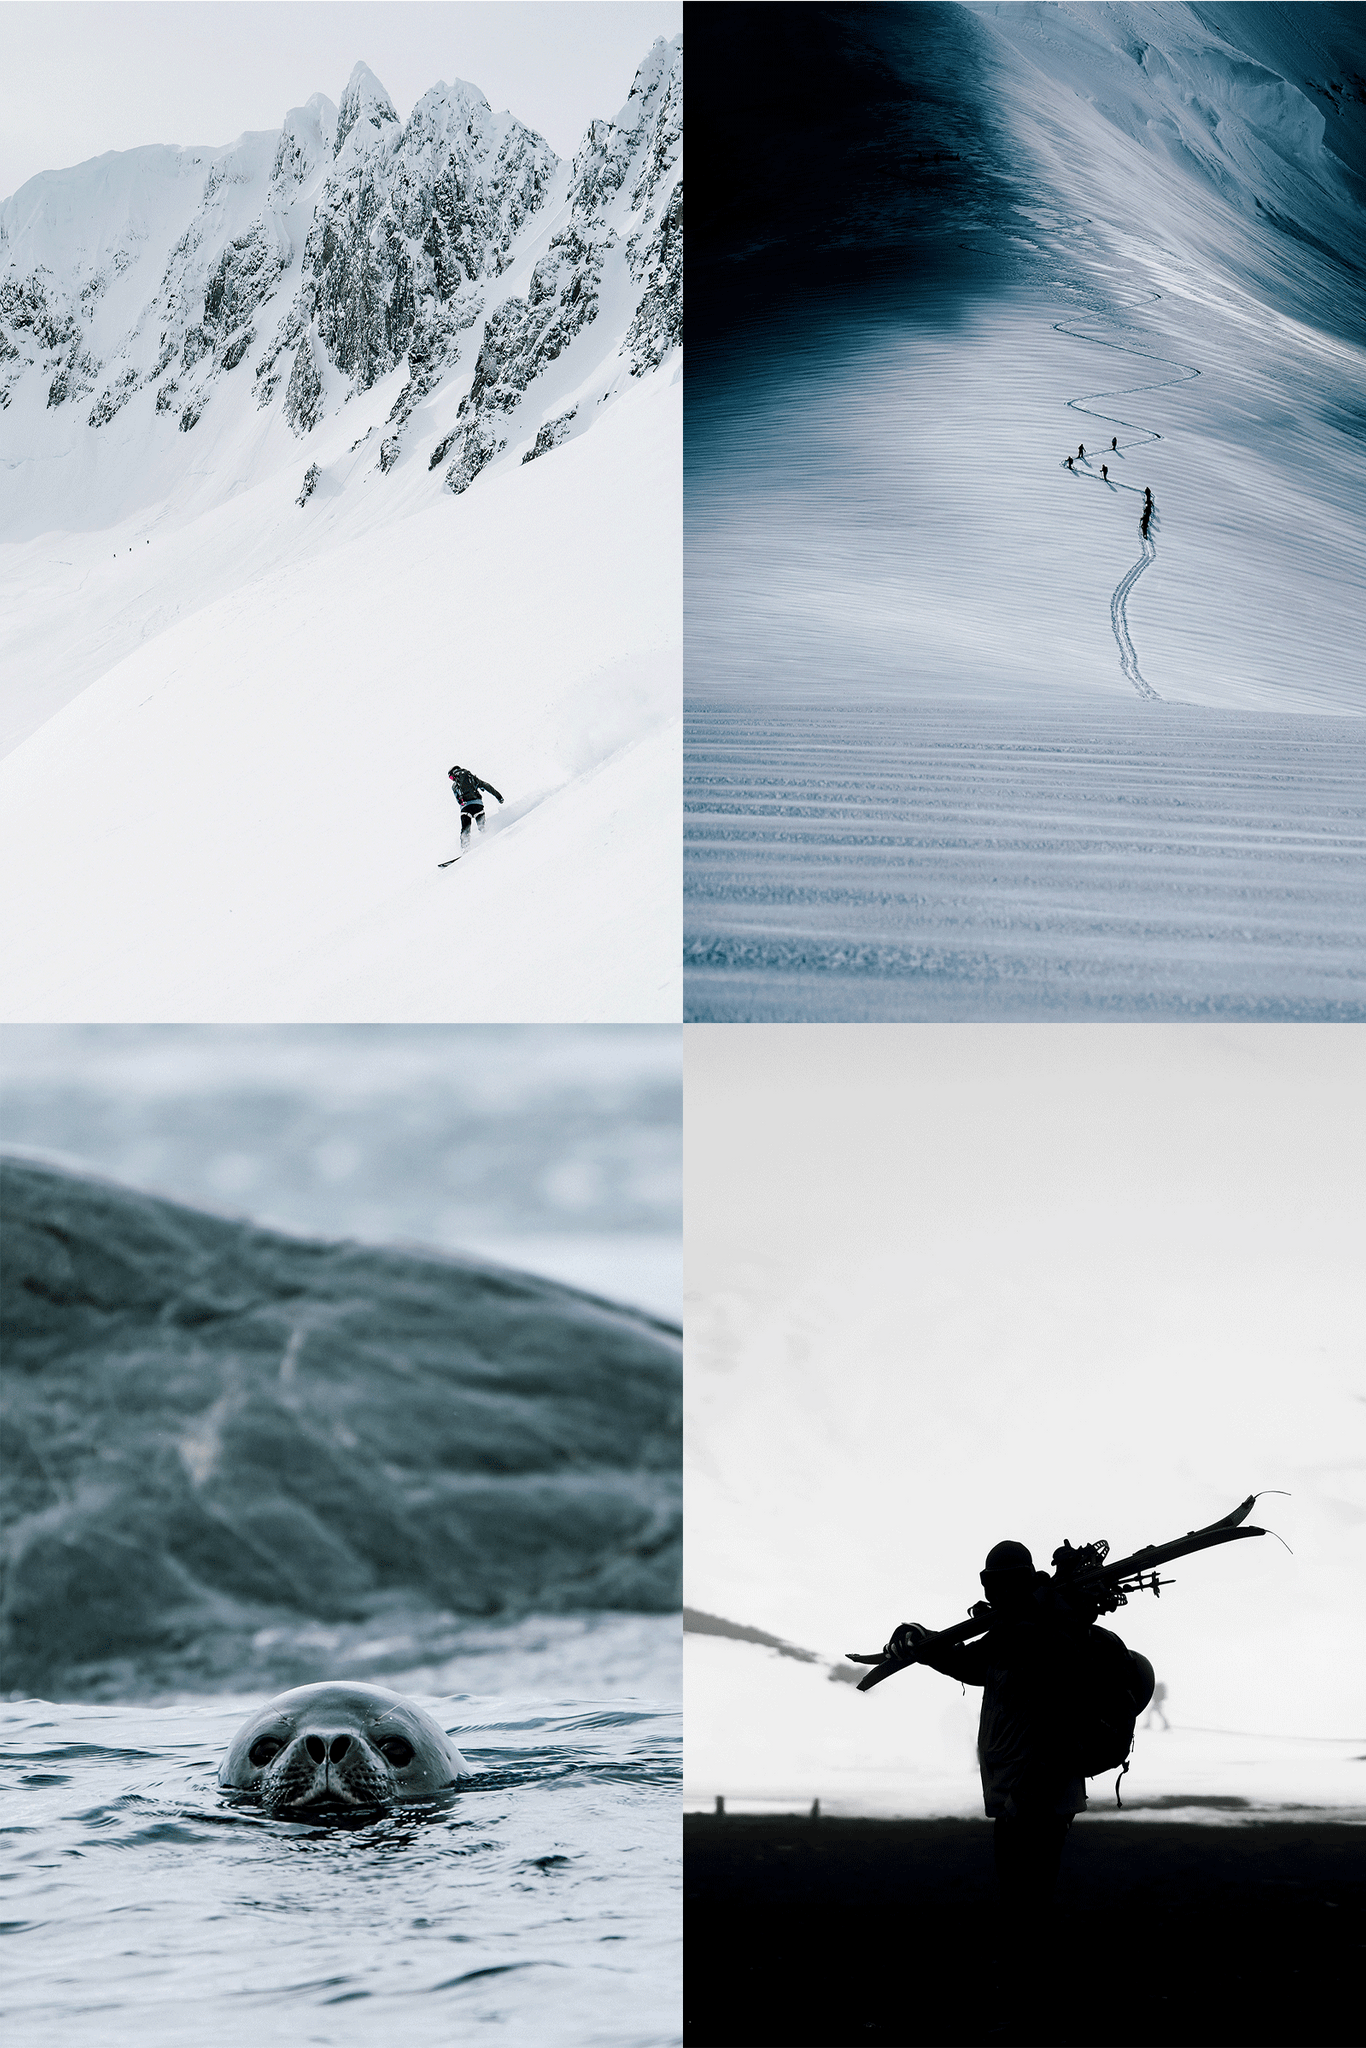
pixel 962 743
pixel 379 468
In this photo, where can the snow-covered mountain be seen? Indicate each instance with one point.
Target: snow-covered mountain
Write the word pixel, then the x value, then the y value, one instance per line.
pixel 244 397
pixel 295 270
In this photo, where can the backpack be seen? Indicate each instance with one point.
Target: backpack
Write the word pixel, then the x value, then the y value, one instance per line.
pixel 1112 1685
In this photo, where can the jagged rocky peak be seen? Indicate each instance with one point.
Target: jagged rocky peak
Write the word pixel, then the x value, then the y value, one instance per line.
pixel 653 112
pixel 453 118
pixel 364 102
pixel 662 66
pixel 307 140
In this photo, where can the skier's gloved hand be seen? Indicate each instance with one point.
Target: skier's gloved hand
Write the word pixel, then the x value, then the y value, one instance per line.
pixel 907 1640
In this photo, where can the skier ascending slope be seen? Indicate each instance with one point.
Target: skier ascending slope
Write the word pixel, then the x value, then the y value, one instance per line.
pixel 1080 449
pixel 468 790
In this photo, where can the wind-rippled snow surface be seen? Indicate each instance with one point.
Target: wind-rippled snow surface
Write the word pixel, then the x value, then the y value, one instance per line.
pixel 944 861
pixel 541 1905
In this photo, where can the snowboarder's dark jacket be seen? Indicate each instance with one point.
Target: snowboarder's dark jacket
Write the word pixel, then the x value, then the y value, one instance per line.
pixel 1032 1668
pixel 467 787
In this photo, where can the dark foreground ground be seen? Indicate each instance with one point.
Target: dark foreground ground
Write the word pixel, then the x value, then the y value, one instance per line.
pixel 800 1932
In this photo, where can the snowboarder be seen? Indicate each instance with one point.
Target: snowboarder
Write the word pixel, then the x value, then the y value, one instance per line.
pixel 1032 1664
pixel 1105 472
pixel 467 789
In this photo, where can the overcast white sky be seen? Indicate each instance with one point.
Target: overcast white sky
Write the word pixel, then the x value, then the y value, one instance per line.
pixel 79 79
pixel 952 1284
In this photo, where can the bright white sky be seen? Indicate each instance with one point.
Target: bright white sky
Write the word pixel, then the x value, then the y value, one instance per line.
pixel 952 1284
pixel 79 79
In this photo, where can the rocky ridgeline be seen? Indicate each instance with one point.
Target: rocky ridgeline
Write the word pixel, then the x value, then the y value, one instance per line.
pixel 625 205
pixel 351 244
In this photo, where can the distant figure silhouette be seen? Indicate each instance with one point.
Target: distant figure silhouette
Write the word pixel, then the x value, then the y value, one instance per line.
pixel 1159 1694
pixel 1114 440
pixel 1104 470
pixel 1069 462
pixel 1080 449
pixel 1037 1664
pixel 1143 522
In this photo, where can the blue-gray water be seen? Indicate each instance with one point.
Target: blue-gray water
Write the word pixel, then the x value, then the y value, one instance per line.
pixel 542 1907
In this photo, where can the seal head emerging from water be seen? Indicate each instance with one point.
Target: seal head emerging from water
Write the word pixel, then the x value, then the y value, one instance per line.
pixel 338 1748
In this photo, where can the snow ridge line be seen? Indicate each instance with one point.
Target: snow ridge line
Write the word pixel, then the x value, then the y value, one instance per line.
pixel 1119 619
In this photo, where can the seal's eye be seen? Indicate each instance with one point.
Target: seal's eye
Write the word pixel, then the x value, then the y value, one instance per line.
pixel 263 1749
pixel 397 1749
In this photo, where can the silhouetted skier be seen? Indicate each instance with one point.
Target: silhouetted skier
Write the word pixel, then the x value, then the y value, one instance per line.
pixel 1037 1664
pixel 1069 462
pixel 1114 441
pixel 468 789
pixel 1159 1694
pixel 1105 473
pixel 1080 449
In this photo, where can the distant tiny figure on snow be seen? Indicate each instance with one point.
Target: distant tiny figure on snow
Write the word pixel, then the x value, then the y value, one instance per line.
pixel 1159 1694
pixel 1105 472
pixel 1147 494
pixel 1069 462
pixel 1143 522
pixel 1114 441
pixel 1080 449
pixel 467 789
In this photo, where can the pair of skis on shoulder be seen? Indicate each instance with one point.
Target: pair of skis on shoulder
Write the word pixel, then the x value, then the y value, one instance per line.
pixel 1085 1573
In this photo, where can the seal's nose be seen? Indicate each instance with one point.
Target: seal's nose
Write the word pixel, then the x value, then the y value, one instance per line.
pixel 318 1747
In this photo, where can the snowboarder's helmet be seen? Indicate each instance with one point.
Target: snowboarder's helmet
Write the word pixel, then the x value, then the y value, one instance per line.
pixel 1008 1557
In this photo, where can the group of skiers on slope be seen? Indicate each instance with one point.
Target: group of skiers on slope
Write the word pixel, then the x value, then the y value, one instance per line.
pixel 1105 475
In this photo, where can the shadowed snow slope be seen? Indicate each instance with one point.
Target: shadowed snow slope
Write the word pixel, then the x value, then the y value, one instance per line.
pixel 1128 223
pixel 329 460
pixel 213 1431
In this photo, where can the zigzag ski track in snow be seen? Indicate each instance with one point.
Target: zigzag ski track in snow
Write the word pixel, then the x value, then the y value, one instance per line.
pixel 1119 620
